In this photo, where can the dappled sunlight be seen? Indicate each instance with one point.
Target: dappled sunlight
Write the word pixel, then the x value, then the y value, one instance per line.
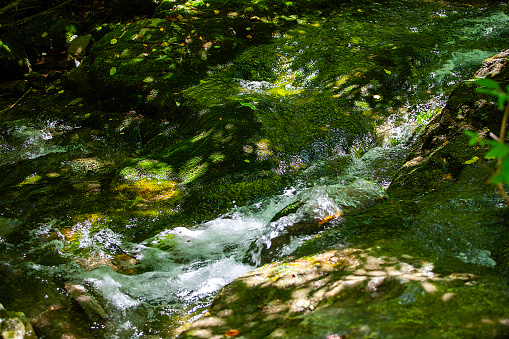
pixel 283 292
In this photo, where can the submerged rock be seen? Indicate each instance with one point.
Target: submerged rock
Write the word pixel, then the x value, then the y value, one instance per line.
pixel 86 302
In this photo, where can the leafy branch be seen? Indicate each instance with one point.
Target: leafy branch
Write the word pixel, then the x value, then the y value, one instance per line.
pixel 499 149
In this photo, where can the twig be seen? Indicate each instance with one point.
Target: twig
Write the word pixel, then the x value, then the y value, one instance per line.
pixel 14 104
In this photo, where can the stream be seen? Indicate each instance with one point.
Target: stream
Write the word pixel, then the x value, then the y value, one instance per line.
pixel 146 271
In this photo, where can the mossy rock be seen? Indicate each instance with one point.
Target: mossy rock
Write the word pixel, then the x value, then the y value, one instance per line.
pixel 146 64
pixel 441 151
pixel 13 58
pixel 353 292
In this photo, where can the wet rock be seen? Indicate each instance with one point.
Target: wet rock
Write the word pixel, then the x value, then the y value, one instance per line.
pixel 15 325
pixel 59 321
pixel 350 291
pixel 441 149
pixel 86 302
pixel 315 209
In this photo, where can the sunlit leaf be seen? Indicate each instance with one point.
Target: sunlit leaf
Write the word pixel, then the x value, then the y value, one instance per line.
pixel 387 71
pixel 249 36
pixel 216 11
pixel 75 101
pixel 113 41
pixel 471 161
pixel 247 104
pixel 161 29
pixel 488 83
pixel 247 161
pixel 113 70
pixel 248 28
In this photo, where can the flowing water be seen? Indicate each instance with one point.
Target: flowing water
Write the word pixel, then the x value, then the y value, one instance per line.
pixel 391 65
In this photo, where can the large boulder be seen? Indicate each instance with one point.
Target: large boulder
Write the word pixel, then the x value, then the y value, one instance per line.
pixel 144 65
pixel 441 154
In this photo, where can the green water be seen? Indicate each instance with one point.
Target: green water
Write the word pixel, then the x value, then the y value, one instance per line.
pixel 152 217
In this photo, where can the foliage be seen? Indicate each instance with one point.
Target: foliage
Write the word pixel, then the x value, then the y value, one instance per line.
pixel 499 149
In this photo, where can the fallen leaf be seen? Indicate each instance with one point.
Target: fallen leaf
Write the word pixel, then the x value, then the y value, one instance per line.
pixel 471 161
pixel 447 176
pixel 161 29
pixel 75 101
pixel 216 11
pixel 329 218
pixel 358 75
pixel 232 333
pixel 249 36
pixel 113 41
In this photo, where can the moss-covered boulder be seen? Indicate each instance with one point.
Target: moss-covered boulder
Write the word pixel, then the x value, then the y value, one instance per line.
pixel 147 63
pixel 441 154
pixel 354 293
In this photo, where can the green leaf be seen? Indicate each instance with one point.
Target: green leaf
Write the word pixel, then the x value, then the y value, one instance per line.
pixel 503 176
pixel 501 100
pixel 499 150
pixel 474 137
pixel 113 70
pixel 488 83
pixel 247 104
